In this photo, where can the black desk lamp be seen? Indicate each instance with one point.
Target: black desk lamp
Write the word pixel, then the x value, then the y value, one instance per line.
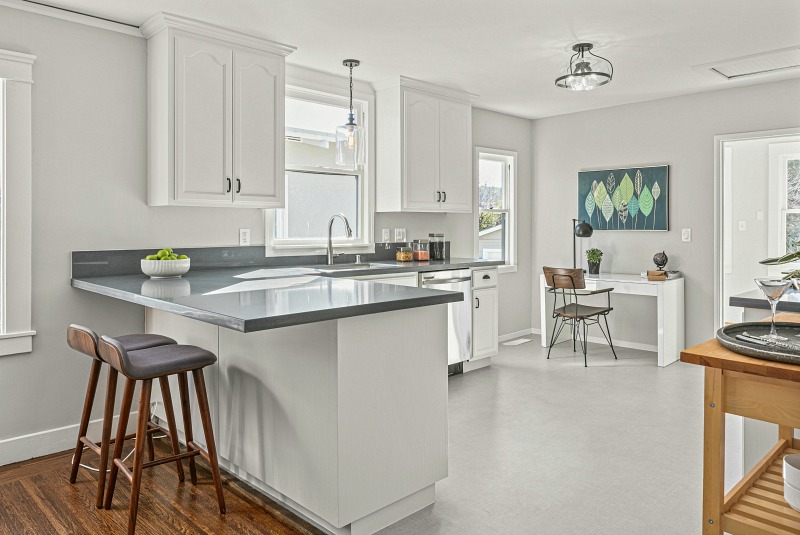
pixel 581 230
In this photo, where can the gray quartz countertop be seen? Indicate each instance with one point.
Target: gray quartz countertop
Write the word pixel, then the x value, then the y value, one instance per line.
pixel 250 299
pixel 790 302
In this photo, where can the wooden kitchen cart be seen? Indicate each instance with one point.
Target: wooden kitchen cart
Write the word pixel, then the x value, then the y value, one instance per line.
pixel 758 389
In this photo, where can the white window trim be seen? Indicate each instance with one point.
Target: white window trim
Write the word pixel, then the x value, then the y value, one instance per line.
pixel 779 154
pixel 320 87
pixel 16 75
pixel 511 267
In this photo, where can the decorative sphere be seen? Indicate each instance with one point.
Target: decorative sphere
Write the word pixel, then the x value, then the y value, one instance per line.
pixel 660 260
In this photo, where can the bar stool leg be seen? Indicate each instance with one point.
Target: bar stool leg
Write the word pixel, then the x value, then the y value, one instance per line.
pixel 205 414
pixel 108 417
pixel 183 386
pixel 151 450
pixel 138 455
pixel 173 433
pixel 94 376
pixel 124 413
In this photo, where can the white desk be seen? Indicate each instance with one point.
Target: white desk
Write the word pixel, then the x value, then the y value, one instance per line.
pixel 669 300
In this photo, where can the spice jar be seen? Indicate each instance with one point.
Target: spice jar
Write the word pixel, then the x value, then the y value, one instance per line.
pixel 420 251
pixel 403 254
pixel 436 246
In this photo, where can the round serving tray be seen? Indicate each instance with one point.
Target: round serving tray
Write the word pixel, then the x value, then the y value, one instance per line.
pixel 791 331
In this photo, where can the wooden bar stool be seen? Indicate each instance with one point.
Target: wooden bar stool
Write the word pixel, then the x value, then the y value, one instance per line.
pixel 84 340
pixel 159 363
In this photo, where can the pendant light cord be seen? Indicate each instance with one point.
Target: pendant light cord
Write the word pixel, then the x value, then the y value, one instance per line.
pixel 351 89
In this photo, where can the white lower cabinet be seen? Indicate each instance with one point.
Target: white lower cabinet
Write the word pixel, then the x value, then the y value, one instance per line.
pixel 484 314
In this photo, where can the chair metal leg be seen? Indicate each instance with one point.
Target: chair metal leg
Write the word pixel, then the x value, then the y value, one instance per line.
pixel 585 344
pixel 574 333
pixel 91 389
pixel 553 336
pixel 608 338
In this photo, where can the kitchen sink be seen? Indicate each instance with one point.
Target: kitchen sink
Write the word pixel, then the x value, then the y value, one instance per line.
pixel 346 267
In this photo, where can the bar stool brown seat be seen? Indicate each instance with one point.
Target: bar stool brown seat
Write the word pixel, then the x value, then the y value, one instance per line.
pixel 159 363
pixel 84 340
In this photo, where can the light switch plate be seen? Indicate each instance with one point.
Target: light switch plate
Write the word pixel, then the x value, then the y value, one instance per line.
pixel 742 225
pixel 244 236
pixel 686 234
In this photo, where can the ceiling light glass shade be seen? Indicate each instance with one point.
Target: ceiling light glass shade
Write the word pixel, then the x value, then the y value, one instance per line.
pixel 585 71
pixel 350 144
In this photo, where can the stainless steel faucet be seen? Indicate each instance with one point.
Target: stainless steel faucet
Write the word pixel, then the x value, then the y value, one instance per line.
pixel 347 229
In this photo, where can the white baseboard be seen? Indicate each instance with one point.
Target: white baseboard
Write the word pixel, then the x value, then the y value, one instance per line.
pixel 510 336
pixel 26 447
pixel 624 343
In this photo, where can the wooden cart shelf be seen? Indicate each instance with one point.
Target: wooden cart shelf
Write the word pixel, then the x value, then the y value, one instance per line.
pixel 756 504
pixel 758 389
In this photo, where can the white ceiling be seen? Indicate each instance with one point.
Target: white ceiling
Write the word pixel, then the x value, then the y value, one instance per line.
pixel 507 51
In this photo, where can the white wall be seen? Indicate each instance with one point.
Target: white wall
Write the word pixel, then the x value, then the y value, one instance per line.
pixel 679 131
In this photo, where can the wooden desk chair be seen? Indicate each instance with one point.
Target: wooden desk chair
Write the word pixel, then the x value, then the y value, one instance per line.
pixel 569 283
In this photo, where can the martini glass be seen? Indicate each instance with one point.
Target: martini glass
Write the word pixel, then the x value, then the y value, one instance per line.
pixel 773 290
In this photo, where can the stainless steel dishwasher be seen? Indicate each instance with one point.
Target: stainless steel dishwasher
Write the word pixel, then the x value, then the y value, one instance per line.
pixel 459 315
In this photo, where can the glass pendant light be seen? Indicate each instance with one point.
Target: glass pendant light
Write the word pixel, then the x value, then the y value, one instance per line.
pixel 350 138
pixel 584 70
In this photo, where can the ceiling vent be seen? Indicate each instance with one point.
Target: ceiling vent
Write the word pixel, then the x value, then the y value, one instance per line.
pixel 772 62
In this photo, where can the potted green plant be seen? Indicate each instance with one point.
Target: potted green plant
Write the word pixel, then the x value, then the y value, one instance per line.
pixel 788 258
pixel 594 256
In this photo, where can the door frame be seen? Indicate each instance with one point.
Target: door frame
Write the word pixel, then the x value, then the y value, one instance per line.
pixel 719 215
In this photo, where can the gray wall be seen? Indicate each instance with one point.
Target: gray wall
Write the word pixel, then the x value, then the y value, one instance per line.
pixel 679 131
pixel 89 192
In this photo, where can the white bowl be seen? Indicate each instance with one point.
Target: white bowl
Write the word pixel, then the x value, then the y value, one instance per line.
pixel 162 269
pixel 791 470
pixel 791 495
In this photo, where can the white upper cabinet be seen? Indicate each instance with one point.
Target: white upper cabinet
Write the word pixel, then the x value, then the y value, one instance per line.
pixel 215 115
pixel 424 154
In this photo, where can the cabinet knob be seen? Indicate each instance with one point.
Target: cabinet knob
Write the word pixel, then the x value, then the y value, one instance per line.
pixel 229 185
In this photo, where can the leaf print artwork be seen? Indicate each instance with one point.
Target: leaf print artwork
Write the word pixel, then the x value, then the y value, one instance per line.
pixel 610 182
pixel 645 203
pixel 607 208
pixel 599 196
pixel 637 187
pixel 633 209
pixel 589 204
pixel 656 195
pixel 626 188
pixel 616 202
pixel 623 212
pixel 594 186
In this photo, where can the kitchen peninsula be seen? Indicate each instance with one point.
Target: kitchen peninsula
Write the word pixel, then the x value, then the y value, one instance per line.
pixel 318 398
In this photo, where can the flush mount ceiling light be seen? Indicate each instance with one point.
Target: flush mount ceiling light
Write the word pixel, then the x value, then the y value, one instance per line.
pixel 584 70
pixel 350 142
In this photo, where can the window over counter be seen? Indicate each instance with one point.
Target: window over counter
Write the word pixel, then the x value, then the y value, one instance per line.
pixel 496 206
pixel 316 187
pixel 16 71
pixel 784 212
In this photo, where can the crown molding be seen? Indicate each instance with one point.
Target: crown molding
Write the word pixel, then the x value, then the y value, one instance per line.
pixel 162 21
pixel 71 16
pixel 16 66
pixel 419 85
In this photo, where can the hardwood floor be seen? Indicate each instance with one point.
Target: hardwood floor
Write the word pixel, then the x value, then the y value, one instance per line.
pixel 36 498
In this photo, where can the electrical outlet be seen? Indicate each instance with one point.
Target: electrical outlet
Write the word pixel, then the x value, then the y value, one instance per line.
pixel 244 236
pixel 686 234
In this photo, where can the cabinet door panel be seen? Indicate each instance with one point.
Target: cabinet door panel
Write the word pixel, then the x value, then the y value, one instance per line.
pixel 484 323
pixel 258 129
pixel 203 107
pixel 455 159
pixel 421 151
